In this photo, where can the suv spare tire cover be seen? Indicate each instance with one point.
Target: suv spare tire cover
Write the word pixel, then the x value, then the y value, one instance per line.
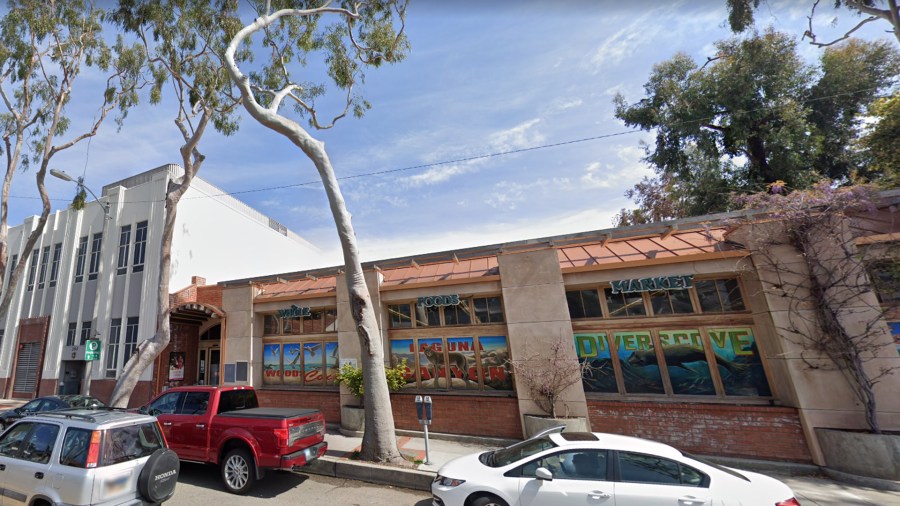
pixel 159 476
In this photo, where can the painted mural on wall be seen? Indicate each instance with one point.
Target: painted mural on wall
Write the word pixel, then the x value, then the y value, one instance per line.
pixel 311 363
pixel 686 357
pixel 453 363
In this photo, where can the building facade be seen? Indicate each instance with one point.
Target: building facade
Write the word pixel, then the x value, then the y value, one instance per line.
pixel 678 332
pixel 92 278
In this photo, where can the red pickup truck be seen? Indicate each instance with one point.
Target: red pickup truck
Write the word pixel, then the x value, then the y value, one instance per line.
pixel 226 426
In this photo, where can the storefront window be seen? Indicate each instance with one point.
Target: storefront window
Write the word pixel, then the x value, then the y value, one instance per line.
pixel 686 362
pixel 598 373
pixel 459 363
pixel 719 295
pixel 317 322
pixel 308 363
pixel 584 304
pixel 671 302
pixel 739 363
pixel 624 304
pixel 452 310
pixel 640 368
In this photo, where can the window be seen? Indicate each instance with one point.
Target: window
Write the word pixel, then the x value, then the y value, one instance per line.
pixel 695 358
pixel 38 445
pixel 453 310
pixel 624 304
pixel 13 440
pixel 584 304
pixel 54 266
pixel 569 465
pixel 121 444
pixel 79 259
pixel 195 403
pixel 112 348
pixel 124 243
pixel 167 404
pixel 719 295
pixel 671 302
pixel 75 447
pixel 234 400
pixel 317 322
pixel 454 362
pixel 640 468
pixel 12 264
pixel 32 269
pixel 95 256
pixel 140 247
pixel 85 332
pixel 45 259
pixel 131 334
pixel 70 334
pixel 2 333
pixel 307 363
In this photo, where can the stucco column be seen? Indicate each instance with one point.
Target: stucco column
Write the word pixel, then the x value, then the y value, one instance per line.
pixel 537 316
pixel 243 339
pixel 348 338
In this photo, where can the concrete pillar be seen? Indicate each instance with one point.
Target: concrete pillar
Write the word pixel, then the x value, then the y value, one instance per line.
pixel 242 341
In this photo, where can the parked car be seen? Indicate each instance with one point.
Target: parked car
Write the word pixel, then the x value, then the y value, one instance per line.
pixel 225 426
pixel 86 457
pixel 48 403
pixel 581 468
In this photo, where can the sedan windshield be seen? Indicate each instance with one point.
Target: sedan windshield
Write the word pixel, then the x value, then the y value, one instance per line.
pixel 517 452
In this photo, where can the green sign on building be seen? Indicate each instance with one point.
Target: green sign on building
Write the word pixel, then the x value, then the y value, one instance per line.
pixel 92 349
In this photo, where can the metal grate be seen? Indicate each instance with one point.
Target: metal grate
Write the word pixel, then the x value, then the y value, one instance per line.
pixel 27 368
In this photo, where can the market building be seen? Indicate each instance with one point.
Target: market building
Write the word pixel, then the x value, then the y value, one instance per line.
pixel 87 296
pixel 677 331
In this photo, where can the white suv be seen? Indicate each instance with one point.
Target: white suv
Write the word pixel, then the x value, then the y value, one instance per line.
pixel 86 457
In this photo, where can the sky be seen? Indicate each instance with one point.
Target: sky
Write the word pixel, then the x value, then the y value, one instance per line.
pixel 481 78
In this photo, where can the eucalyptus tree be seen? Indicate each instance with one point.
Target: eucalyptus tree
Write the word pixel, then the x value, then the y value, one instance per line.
pixel 185 43
pixel 45 47
pixel 349 38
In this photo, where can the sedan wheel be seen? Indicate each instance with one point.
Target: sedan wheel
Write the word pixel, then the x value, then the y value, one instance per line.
pixel 489 500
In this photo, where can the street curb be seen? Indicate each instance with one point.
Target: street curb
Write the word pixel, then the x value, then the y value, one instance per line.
pixel 863 481
pixel 372 473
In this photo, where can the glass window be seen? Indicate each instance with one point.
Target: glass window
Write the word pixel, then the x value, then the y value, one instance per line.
pixel 640 367
pixel 94 268
pixel 598 374
pixel 686 362
pixel 519 451
pixel 671 302
pixel 32 269
pixel 131 335
pixel 71 333
pixel 80 255
pixel 140 246
pixel 488 310
pixel 85 332
pixel 45 260
pixel 458 314
pixel 195 403
pixel 401 315
pixel 112 347
pixel 13 440
pixel 12 264
pixel 719 295
pixel 54 266
pixel 570 465
pixel 124 244
pixel 166 404
pixel 271 325
pixel 739 363
pixel 301 363
pixel 76 444
pixel 38 446
pixel 640 468
pixel 624 304
pixel 122 444
pixel 234 400
pixel 442 363
pixel 583 304
pixel 428 316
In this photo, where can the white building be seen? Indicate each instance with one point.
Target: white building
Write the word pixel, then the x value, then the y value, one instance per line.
pixel 94 272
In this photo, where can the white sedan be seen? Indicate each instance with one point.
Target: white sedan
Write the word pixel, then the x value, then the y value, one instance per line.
pixel 587 469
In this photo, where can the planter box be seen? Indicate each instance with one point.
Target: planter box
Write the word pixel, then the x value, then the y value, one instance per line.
pixel 353 420
pixel 861 453
pixel 535 424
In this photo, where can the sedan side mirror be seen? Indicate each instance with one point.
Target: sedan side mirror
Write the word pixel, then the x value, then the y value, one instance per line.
pixel 19 411
pixel 143 410
pixel 542 473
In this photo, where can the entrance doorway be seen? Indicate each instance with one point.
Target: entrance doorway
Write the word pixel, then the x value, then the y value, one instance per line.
pixel 209 364
pixel 73 375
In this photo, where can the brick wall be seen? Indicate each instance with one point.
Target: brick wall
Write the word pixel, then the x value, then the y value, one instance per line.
pixel 103 388
pixel 329 403
pixel 211 295
pixel 758 432
pixel 477 416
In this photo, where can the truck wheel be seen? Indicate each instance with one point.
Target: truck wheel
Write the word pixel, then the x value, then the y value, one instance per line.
pixel 159 476
pixel 238 471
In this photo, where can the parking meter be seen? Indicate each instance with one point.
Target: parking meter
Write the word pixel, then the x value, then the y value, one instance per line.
pixel 423 410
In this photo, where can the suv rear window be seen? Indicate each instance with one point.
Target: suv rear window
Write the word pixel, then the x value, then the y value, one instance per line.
pixel 128 443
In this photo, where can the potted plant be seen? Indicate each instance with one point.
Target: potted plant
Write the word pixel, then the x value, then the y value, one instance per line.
pixel 546 376
pixel 353 418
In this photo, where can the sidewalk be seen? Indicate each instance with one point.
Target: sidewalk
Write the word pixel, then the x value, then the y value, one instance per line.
pixel 810 487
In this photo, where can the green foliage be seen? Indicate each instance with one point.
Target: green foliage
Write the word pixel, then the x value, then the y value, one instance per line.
pixel 352 378
pixel 880 142
pixel 753 115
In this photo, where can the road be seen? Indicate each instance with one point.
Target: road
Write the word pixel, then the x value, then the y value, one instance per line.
pixel 199 485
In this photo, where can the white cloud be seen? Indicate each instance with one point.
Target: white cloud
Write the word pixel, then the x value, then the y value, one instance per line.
pixel 561 104
pixel 520 136
pixel 622 174
pixel 441 173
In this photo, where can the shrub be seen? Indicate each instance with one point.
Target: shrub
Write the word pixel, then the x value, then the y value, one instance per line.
pixel 352 377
